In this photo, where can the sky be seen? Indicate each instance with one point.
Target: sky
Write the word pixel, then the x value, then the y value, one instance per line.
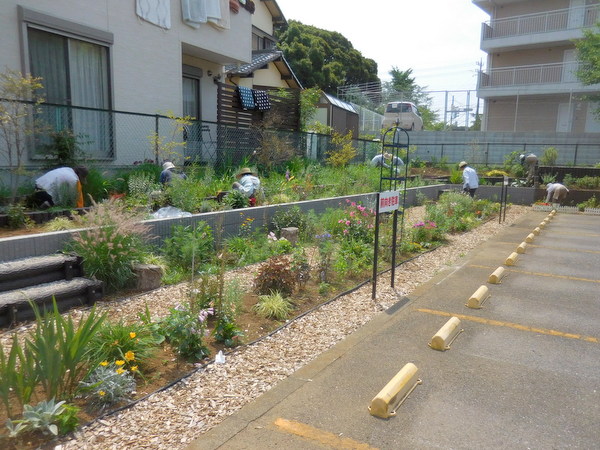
pixel 437 39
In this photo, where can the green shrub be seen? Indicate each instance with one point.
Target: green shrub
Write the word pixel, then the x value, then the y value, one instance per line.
pixel 96 186
pixel 588 182
pixel 591 202
pixel 189 246
pixel 236 199
pixel 108 384
pixel 227 309
pixel 184 329
pixel 59 224
pixel 133 343
pixel 549 156
pixel 290 217
pixel 426 233
pixel 111 244
pixel 548 178
pixel 275 274
pixel 354 258
pixel 60 350
pixel 40 417
pixel 273 306
pixel 17 217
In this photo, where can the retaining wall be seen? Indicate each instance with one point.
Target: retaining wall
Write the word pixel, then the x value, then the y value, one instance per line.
pixel 226 223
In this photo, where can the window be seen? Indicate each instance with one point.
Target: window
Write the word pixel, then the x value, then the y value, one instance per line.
pixel 74 72
pixel 262 42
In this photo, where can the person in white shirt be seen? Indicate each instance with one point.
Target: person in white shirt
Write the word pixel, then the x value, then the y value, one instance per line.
pixel 556 192
pixel 380 160
pixel 48 186
pixel 470 178
pixel 248 183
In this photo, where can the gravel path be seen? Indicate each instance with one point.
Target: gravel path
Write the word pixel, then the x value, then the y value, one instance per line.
pixel 174 417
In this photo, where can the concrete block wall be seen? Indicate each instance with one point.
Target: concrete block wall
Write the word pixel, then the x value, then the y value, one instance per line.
pixel 226 223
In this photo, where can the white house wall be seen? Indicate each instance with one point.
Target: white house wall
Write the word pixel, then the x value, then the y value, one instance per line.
pixel 262 18
pixel 145 59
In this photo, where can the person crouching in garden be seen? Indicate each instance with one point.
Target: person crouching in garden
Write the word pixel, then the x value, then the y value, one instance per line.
pixel 50 186
pixel 557 193
pixel 248 184
pixel 166 176
pixel 470 178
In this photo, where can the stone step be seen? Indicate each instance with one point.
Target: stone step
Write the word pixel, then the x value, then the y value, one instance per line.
pixel 15 305
pixel 36 270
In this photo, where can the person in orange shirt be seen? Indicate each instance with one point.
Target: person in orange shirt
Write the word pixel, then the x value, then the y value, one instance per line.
pixel 47 187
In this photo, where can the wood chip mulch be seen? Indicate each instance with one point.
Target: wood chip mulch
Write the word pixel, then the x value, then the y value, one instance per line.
pixel 174 417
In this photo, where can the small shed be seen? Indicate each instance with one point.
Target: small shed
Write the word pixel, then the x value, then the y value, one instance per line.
pixel 339 115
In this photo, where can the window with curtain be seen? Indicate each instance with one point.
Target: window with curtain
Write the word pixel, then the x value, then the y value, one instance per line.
pixel 74 73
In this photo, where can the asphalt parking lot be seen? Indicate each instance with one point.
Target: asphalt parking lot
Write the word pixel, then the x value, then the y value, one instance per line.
pixel 524 373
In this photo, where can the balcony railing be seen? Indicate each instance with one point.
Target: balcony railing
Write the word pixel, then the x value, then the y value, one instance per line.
pixel 549 21
pixel 554 73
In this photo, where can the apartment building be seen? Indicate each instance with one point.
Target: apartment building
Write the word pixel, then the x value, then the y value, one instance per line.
pixel 144 56
pixel 530 82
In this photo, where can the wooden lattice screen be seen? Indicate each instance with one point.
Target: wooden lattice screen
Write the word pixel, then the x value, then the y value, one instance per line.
pixel 283 115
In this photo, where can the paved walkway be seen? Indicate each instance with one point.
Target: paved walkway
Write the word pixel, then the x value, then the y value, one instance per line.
pixel 525 373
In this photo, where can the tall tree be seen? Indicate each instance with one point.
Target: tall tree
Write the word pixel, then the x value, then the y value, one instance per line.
pixel 402 87
pixel 588 53
pixel 324 59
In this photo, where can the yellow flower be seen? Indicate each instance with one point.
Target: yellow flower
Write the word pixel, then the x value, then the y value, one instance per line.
pixel 104 363
pixel 129 356
pixel 120 370
pixel 134 368
pixel 101 393
pixel 132 335
pixel 120 362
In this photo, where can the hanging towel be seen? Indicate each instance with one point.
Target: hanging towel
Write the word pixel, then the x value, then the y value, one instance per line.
pixel 246 98
pixel 262 100
pixel 193 12
pixel 224 22
pixel 213 9
pixel 157 12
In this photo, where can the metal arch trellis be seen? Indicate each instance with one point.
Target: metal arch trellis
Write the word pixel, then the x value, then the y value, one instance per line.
pixel 393 141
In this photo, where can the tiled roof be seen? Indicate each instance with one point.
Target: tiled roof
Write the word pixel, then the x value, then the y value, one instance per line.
pixel 259 59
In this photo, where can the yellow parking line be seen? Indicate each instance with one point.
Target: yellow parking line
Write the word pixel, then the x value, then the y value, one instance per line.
pixel 322 437
pixel 539 274
pixel 566 249
pixel 515 326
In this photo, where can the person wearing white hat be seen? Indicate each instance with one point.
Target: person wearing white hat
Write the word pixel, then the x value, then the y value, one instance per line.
pixel 248 184
pixel 166 176
pixel 380 160
pixel 530 162
pixel 470 178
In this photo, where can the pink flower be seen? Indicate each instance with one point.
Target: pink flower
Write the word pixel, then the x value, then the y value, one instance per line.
pixel 347 222
pixel 345 231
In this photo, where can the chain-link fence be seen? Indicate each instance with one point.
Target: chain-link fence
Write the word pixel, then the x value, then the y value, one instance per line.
pixel 114 139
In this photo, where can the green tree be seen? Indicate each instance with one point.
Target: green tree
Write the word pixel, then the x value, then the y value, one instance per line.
pixel 588 53
pixel 403 87
pixel 19 98
pixel 309 98
pixel 324 59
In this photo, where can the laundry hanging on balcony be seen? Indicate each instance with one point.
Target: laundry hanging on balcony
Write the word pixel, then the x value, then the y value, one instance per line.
pixel 262 100
pixel 157 12
pixel 196 12
pixel 246 98
pixel 224 23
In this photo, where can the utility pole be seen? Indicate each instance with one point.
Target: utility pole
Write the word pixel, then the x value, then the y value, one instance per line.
pixel 480 65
